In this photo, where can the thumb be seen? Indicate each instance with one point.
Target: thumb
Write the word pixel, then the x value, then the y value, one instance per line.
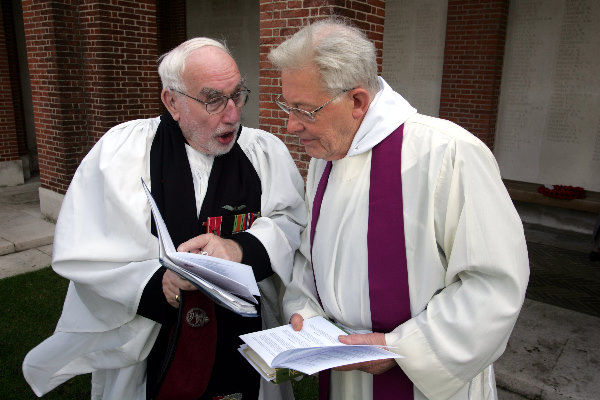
pixel 375 338
pixel 195 244
pixel 296 321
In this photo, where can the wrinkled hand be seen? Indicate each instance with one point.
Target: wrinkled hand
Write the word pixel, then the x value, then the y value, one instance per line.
pixel 214 246
pixel 172 284
pixel 374 367
pixel 211 244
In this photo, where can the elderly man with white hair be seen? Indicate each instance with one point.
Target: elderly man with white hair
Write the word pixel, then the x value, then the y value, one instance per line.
pixel 413 239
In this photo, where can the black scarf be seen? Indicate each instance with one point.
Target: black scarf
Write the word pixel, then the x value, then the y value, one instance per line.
pixel 233 182
pixel 172 183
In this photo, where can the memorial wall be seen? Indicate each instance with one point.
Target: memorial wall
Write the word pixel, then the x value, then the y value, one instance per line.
pixel 548 128
pixel 413 51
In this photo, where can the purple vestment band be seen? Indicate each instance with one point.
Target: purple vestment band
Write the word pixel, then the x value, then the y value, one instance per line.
pixel 316 211
pixel 323 375
pixel 388 275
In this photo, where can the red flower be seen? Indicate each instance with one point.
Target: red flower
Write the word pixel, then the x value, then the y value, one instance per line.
pixel 562 192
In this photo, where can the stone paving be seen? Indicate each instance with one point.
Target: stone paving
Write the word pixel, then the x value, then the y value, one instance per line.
pixel 564 278
pixel 25 238
pixel 553 352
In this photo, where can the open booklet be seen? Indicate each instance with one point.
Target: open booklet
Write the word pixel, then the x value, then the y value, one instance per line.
pixel 314 348
pixel 230 284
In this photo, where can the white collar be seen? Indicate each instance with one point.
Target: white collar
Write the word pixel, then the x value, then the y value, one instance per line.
pixel 387 111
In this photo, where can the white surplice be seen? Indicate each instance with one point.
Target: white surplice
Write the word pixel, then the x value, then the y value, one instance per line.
pixel 103 244
pixel 466 254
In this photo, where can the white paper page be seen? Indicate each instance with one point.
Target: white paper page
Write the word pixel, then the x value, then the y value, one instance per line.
pixel 314 360
pixel 218 268
pixel 223 282
pixel 241 306
pixel 317 334
pixel 316 331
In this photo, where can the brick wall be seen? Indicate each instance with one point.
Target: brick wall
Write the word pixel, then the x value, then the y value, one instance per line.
pixel 92 65
pixel 280 19
pixel 9 148
pixel 120 49
pixel 473 56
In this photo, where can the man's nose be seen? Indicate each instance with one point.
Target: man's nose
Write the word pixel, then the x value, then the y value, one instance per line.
pixel 294 124
pixel 231 113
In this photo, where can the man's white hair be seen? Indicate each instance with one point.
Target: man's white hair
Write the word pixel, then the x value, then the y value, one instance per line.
pixel 342 53
pixel 172 64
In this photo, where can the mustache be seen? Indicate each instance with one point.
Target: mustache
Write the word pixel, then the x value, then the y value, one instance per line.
pixel 222 130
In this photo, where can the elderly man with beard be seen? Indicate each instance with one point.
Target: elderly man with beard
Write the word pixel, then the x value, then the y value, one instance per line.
pixel 120 319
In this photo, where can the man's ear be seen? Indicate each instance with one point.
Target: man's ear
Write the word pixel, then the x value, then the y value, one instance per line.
pixel 362 100
pixel 170 103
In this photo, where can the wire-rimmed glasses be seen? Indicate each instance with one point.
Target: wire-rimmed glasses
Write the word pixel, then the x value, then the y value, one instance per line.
pixel 303 114
pixel 217 104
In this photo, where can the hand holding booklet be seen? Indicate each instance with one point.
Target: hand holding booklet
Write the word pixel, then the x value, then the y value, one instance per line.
pixel 314 348
pixel 220 279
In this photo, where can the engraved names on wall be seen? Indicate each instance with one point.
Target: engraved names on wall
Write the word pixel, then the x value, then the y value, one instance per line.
pixel 413 51
pixel 549 113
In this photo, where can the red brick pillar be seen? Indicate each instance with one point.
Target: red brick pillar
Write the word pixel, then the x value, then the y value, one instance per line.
pixel 92 65
pixel 473 56
pixel 278 20
pixel 9 143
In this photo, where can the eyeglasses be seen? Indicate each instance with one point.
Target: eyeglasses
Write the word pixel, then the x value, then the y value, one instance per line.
pixel 303 114
pixel 218 104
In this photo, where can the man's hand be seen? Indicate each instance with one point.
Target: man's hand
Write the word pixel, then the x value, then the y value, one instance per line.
pixel 208 244
pixel 375 367
pixel 213 246
pixel 171 284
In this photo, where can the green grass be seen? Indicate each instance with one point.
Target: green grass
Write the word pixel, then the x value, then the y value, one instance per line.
pixel 306 389
pixel 31 305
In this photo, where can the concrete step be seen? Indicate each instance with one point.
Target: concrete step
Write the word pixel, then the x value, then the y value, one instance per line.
pixel 25 261
pixel 25 237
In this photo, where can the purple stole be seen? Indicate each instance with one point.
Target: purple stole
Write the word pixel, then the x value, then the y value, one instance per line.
pixel 388 280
